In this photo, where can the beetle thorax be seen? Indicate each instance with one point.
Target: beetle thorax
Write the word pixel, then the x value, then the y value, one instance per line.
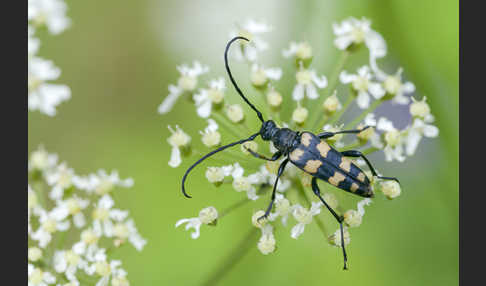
pixel 284 140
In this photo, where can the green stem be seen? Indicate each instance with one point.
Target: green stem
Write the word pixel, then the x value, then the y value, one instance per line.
pixel 233 207
pixel 332 85
pixel 369 150
pixel 235 256
pixel 358 119
pixel 221 120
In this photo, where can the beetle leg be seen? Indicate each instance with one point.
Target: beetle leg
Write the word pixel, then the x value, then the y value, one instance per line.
pixel 339 218
pixel 275 156
pixel 356 153
pixel 325 135
pixel 280 171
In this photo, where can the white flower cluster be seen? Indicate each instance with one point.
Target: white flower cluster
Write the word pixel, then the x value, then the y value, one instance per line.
pixel 73 224
pixel 44 95
pixel 312 97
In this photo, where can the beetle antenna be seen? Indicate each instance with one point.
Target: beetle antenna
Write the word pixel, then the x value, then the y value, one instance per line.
pixel 251 138
pixel 259 114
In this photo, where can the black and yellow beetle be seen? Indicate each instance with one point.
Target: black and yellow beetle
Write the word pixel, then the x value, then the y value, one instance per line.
pixel 309 153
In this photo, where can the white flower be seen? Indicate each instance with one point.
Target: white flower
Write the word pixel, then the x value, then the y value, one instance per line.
pixel 264 176
pixel 187 82
pixel 302 51
pixel 303 217
pixel 267 242
pixel 420 109
pixel 336 139
pixel 307 80
pixel 362 84
pixel 394 86
pixel 170 100
pixel 282 209
pixel 106 270
pixel 215 175
pixel 393 140
pixel 128 230
pixel 179 139
pixel 41 160
pixel 37 277
pixel 59 179
pixel 354 32
pixel 88 245
pixel 418 129
pixel 354 218
pixel 101 182
pixel 300 114
pixel 234 112
pixel 242 183
pixel 34 253
pixel 52 13
pixel 335 238
pixel 68 262
pixel 251 30
pixel 104 215
pixel 260 75
pixel 207 216
pixel 331 104
pixel 207 97
pixel 390 189
pixel 211 137
pixel 32 42
pixel 50 222
pixel 44 96
pixel 74 206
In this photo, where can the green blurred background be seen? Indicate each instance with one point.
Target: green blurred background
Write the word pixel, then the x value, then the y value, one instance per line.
pixel 119 57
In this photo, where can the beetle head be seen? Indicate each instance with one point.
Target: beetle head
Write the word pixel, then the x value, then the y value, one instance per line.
pixel 268 129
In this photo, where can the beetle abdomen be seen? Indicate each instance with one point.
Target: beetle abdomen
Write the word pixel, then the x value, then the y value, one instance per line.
pixel 320 160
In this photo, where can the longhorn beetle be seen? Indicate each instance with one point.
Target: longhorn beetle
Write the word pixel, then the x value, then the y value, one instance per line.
pixel 309 153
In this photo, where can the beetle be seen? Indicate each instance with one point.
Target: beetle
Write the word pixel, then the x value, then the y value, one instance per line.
pixel 307 151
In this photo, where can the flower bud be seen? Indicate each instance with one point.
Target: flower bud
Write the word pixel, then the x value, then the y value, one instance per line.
pixel 187 83
pixel 103 268
pixel 216 95
pixel 266 244
pixel 215 175
pixel 274 99
pixel 352 218
pixel 252 145
pixel 366 134
pixel 300 115
pixel 258 77
pixel 335 238
pixel 392 137
pixel 392 84
pixel 241 184
pixel 120 281
pixel 391 189
pixel 235 113
pixel 211 139
pixel 304 51
pixel 179 138
pixel 208 215
pixel 419 108
pixel 255 219
pixel 34 253
pixel 331 104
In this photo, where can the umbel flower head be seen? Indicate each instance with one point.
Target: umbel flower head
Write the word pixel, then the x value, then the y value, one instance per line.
pixel 75 222
pixel 313 105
